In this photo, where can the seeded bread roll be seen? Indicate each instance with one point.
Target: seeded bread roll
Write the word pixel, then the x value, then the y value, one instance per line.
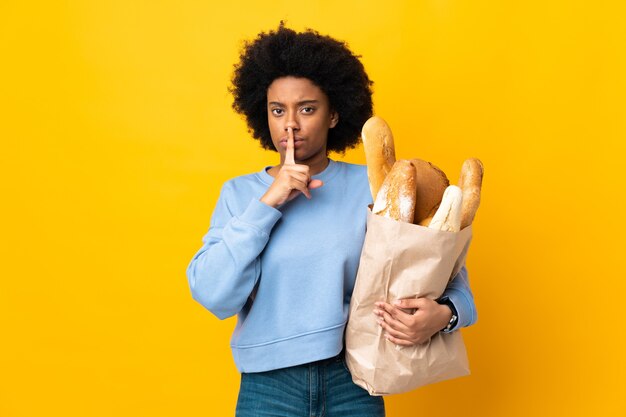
pixel 470 181
pixel 396 197
pixel 380 153
pixel 430 184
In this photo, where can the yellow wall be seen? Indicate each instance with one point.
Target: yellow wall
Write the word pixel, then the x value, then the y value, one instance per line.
pixel 117 132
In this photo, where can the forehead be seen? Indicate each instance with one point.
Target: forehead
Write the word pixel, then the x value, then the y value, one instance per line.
pixel 293 89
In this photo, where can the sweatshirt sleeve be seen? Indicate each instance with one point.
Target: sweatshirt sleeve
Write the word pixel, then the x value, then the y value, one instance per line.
pixel 460 294
pixel 223 273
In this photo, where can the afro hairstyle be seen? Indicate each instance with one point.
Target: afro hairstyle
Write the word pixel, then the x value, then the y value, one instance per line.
pixel 325 61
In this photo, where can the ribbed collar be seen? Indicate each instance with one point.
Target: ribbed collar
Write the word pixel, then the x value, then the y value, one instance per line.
pixel 326 175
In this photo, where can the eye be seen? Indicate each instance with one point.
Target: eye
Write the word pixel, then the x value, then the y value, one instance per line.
pixel 277 112
pixel 308 110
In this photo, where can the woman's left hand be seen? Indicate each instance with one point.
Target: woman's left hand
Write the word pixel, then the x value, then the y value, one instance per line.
pixel 405 329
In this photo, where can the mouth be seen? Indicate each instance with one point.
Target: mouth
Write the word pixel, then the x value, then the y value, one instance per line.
pixel 296 139
pixel 296 143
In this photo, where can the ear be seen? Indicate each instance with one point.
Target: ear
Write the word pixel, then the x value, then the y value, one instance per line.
pixel 334 119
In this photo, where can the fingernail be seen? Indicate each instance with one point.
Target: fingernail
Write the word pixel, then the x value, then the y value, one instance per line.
pixel 397 303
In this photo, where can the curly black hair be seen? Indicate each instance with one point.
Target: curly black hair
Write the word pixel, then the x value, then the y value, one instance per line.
pixel 327 62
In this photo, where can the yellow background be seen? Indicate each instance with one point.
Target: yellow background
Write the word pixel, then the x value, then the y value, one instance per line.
pixel 117 132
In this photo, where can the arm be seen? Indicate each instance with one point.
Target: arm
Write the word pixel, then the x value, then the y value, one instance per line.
pixel 430 317
pixel 223 273
pixel 460 294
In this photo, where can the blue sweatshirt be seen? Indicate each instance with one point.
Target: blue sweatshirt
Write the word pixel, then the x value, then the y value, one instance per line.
pixel 288 273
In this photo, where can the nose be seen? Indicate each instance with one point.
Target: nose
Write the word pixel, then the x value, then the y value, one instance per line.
pixel 292 122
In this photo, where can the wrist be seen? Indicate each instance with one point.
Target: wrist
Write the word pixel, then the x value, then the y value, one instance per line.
pixel 451 314
pixel 446 314
pixel 267 200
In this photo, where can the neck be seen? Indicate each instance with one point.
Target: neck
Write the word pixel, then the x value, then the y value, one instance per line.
pixel 316 164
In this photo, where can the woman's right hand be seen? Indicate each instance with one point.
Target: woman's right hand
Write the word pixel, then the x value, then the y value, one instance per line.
pixel 291 180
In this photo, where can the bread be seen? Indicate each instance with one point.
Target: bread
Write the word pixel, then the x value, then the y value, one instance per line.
pixel 430 184
pixel 380 153
pixel 448 215
pixel 396 197
pixel 470 181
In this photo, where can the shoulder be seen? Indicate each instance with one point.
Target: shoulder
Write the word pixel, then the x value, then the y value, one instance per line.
pixel 354 173
pixel 237 191
pixel 354 170
pixel 243 182
pixel 355 179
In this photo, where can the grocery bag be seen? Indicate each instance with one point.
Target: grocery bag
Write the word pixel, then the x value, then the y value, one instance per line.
pixel 403 260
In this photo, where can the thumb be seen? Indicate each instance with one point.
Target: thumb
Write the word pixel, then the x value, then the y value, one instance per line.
pixel 315 184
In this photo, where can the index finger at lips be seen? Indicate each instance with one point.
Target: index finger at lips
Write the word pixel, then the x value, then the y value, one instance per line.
pixel 289 155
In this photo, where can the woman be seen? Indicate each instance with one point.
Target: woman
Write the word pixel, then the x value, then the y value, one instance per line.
pixel 284 243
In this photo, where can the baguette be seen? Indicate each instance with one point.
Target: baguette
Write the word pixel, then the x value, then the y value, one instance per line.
pixel 396 197
pixel 380 153
pixel 448 215
pixel 470 181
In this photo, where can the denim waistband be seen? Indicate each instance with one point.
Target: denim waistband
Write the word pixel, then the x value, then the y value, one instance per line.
pixel 336 358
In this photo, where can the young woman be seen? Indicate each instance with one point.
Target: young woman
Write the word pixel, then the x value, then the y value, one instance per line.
pixel 283 246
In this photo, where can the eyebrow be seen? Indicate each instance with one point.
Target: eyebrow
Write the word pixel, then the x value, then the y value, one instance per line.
pixel 300 103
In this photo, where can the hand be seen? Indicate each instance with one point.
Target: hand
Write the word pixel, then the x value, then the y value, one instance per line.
pixel 291 180
pixel 406 329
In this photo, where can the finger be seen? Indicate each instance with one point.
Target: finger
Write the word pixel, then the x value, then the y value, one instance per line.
pixel 407 303
pixel 300 186
pixel 393 332
pixel 305 191
pixel 289 155
pixel 301 179
pixel 315 184
pixel 395 313
pixel 299 176
pixel 391 321
pixel 397 341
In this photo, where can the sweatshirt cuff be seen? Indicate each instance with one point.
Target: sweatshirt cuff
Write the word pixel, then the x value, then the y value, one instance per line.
pixel 463 309
pixel 260 215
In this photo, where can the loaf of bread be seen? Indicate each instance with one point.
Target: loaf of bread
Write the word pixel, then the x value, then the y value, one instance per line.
pixel 396 197
pixel 470 181
pixel 429 181
pixel 380 153
pixel 430 184
pixel 448 215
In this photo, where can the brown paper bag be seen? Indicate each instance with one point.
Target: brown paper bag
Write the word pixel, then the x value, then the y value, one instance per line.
pixel 403 260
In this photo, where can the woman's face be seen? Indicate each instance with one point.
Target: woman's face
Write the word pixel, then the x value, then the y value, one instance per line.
pixel 299 104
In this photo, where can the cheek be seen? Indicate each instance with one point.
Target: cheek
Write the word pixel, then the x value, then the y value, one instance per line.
pixel 274 129
pixel 321 126
pixel 322 129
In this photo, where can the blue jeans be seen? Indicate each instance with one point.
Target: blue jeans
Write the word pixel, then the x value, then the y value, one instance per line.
pixel 317 389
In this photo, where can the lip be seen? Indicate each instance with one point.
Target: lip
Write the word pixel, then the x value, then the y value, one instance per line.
pixel 297 142
pixel 297 138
